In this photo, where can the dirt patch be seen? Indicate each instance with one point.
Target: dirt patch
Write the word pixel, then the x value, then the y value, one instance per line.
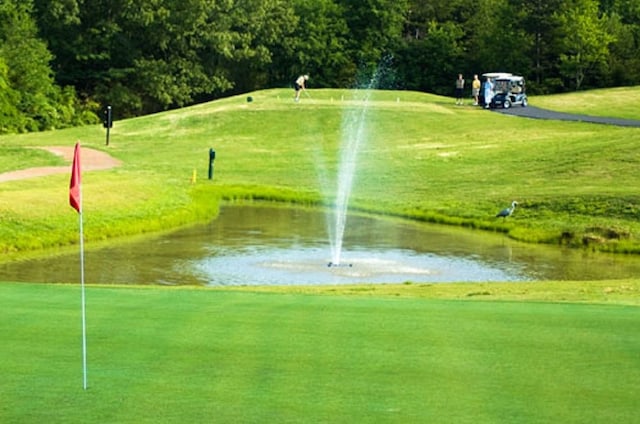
pixel 91 160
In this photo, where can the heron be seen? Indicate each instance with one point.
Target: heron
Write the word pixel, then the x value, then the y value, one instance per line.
pixel 508 211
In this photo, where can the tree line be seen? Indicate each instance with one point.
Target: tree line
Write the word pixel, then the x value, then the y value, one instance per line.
pixel 61 61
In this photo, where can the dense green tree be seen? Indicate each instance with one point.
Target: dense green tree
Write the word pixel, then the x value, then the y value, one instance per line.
pixel 586 41
pixel 431 62
pixel 317 46
pixel 10 117
pixel 264 25
pixel 143 56
pixel 421 14
pixel 624 60
pixel 434 48
pixel 375 31
pixel 496 40
pixel 40 103
pixel 538 19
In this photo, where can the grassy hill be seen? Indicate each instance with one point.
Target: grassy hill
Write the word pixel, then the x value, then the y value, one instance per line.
pixel 616 102
pixel 423 158
pixel 465 353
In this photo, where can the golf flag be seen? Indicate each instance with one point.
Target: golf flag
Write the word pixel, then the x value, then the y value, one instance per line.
pixel 75 196
pixel 75 200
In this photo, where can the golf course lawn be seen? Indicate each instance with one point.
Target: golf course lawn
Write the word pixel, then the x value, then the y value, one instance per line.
pixel 421 158
pixel 200 355
pixel 538 352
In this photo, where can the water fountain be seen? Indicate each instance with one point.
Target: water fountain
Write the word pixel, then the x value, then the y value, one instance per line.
pixel 267 245
pixel 353 136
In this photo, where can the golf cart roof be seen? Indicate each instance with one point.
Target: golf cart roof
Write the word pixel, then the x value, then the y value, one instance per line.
pixel 514 78
pixel 496 75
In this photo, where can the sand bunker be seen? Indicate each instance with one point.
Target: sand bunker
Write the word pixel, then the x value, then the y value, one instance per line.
pixel 92 160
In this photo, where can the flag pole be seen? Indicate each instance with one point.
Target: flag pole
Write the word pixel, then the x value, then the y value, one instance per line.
pixel 84 314
pixel 75 200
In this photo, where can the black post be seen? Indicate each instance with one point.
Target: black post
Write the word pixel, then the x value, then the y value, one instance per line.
pixel 212 156
pixel 108 121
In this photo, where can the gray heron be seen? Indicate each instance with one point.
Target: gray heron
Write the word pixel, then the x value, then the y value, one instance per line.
pixel 508 211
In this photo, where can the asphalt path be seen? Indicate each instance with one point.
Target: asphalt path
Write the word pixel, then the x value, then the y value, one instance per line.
pixel 538 113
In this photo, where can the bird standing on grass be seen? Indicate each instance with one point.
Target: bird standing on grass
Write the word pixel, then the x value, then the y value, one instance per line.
pixel 508 211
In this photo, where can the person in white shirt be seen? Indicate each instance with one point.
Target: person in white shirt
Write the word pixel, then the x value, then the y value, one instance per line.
pixel 299 85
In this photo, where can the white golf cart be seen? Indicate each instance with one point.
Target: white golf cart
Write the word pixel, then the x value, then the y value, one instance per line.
pixel 509 91
pixel 492 76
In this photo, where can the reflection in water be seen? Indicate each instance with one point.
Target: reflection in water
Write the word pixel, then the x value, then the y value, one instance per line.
pixel 267 245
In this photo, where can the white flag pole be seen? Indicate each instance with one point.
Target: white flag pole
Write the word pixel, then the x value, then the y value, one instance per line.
pixel 75 200
pixel 84 314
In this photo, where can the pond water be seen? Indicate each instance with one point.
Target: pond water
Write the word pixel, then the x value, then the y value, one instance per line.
pixel 275 245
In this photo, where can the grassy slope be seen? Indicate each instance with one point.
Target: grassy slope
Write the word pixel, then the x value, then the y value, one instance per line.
pixel 617 102
pixel 423 158
pixel 371 354
pixel 194 355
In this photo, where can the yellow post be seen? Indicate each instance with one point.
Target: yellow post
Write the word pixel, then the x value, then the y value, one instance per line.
pixel 193 177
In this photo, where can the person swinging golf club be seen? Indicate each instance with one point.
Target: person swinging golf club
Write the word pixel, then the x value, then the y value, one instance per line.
pixel 299 85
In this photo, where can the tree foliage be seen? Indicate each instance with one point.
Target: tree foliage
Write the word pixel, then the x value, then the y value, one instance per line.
pixel 60 59
pixel 317 46
pixel 30 99
pixel 585 45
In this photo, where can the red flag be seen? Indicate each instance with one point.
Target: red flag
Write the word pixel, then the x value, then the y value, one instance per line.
pixel 75 198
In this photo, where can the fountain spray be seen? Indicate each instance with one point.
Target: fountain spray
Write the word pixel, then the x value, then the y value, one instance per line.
pixel 354 134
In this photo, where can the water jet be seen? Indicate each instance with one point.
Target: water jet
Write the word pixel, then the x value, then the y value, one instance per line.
pixel 354 135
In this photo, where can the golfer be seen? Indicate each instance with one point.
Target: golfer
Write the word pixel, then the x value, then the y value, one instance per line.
pixel 299 85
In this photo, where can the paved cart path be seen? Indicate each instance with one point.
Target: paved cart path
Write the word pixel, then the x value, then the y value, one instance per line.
pixel 538 113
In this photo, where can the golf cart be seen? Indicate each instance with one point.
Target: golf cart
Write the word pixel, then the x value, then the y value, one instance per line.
pixel 491 76
pixel 509 91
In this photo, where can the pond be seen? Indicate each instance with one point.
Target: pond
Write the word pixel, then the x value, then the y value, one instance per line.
pixel 276 245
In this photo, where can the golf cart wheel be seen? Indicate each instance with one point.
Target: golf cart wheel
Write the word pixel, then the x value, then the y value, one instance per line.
pixel 524 103
pixel 506 104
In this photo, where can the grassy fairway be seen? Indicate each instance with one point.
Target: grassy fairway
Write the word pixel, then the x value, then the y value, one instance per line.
pixel 423 158
pixel 193 355
pixel 405 354
pixel 618 102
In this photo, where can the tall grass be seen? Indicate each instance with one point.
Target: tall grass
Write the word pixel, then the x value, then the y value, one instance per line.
pixel 423 158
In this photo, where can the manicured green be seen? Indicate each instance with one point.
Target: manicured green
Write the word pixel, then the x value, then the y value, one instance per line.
pixel 423 158
pixel 199 355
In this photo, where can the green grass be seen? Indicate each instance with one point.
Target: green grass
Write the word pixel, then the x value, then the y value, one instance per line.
pixel 614 292
pixel 617 102
pixel 199 355
pixel 439 353
pixel 423 158
pixel 17 157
